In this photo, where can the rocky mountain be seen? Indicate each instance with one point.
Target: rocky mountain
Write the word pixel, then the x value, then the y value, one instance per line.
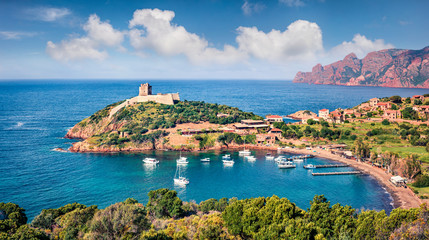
pixel 385 68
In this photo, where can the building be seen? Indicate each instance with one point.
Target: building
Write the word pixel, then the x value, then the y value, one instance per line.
pixel 265 139
pixel 392 114
pixel 384 105
pixel 145 95
pixel 418 97
pixel 324 113
pixel 336 117
pixel 273 118
pixel 373 102
pixel 277 132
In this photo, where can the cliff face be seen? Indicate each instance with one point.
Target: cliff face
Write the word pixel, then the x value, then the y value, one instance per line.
pixel 385 68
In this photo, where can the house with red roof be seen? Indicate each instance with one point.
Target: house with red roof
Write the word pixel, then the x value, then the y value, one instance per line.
pixel 384 105
pixel 273 118
pixel 324 113
pixel 392 114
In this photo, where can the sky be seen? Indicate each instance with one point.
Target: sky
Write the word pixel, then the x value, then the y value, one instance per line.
pixel 207 39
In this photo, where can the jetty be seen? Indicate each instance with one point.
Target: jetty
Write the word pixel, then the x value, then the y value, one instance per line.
pixel 336 173
pixel 329 166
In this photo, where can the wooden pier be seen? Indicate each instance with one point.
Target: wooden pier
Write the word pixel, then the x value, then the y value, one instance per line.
pixel 336 173
pixel 330 166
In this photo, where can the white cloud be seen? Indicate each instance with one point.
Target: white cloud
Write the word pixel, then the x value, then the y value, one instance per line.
pixel 47 14
pixel 8 35
pixel 103 32
pixel 168 39
pixel 360 45
pixel 301 40
pixel 99 34
pixel 250 8
pixel 293 3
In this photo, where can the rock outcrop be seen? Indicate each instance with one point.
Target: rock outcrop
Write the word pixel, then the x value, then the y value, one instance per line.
pixel 303 114
pixel 385 68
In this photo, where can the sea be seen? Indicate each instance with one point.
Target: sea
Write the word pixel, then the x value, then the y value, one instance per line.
pixel 35 115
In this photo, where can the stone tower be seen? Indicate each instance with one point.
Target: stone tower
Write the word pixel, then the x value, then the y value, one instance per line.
pixel 145 89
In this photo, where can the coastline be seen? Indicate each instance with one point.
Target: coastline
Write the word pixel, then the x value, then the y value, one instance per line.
pixel 402 197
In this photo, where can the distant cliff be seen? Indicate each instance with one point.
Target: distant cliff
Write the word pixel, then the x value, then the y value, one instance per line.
pixel 385 68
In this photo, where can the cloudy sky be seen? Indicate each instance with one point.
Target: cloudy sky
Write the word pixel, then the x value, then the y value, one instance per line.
pixel 206 39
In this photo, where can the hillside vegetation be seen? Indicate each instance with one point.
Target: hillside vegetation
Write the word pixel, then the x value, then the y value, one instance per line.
pixel 146 122
pixel 165 216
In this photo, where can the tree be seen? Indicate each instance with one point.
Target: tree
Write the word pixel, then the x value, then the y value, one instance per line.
pixel 164 203
pixel 396 99
pixel 409 113
pixel 118 221
pixel 385 122
pixel 12 216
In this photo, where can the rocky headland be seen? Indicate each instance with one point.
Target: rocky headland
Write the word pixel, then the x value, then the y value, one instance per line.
pixel 386 68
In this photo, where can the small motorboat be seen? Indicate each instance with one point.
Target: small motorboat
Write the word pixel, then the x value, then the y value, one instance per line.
pixel 226 156
pixel 228 162
pixel 283 165
pixel 251 158
pixel 205 160
pixel 149 160
pixel 269 156
pixel 309 166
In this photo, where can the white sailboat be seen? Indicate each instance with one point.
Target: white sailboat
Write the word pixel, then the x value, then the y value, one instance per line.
pixel 244 152
pixel 178 178
pixel 182 160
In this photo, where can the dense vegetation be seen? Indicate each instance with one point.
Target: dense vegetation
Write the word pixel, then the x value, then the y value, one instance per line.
pixel 145 122
pixel 167 217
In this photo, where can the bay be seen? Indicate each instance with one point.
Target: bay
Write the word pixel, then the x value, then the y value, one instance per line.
pixel 35 115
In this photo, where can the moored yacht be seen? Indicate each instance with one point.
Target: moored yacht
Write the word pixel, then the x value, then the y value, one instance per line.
pixel 149 160
pixel 205 159
pixel 284 164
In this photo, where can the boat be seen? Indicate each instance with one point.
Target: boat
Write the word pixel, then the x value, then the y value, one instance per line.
pixel 309 166
pixel 286 165
pixel 226 156
pixel 205 160
pixel 269 156
pixel 298 159
pixel 228 162
pixel 182 160
pixel 244 152
pixel 149 160
pixel 178 178
pixel 251 158
pixel 279 159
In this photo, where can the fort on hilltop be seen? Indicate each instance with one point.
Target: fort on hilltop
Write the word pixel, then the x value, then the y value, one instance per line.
pixel 145 95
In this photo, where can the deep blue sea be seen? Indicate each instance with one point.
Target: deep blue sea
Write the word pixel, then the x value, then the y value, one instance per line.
pixel 35 115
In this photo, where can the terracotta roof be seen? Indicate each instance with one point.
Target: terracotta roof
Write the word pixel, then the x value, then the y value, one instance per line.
pixel 382 104
pixel 417 96
pixel 275 130
pixel 323 110
pixel 274 116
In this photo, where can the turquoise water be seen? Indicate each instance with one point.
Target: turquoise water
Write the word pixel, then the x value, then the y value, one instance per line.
pixel 35 115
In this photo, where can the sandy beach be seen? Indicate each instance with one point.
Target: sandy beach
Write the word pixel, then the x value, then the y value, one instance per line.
pixel 402 197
